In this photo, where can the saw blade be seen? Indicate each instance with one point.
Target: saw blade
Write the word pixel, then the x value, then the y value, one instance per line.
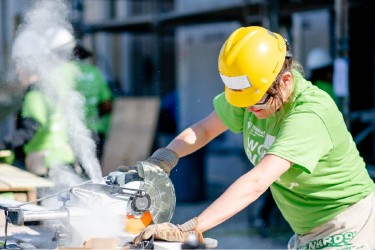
pixel 160 189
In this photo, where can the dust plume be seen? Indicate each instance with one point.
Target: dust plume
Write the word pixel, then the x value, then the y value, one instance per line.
pixel 43 45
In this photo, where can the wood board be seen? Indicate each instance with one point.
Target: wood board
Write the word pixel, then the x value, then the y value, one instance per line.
pixel 13 179
pixel 133 126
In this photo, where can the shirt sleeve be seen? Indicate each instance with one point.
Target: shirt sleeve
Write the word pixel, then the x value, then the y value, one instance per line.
pixel 303 139
pixel 231 116
pixel 34 106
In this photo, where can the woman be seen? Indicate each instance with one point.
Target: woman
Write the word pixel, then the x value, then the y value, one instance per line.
pixel 297 140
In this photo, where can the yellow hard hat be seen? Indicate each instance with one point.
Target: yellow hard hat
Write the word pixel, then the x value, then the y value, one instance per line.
pixel 249 62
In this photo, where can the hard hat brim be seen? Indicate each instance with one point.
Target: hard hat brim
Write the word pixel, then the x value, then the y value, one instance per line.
pixel 243 98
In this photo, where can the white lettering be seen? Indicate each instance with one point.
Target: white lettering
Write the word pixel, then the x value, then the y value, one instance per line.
pixel 252 145
pixel 252 158
pixel 262 151
pixel 249 124
pixel 293 184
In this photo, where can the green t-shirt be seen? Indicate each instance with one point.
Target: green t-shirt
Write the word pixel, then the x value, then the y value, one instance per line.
pixel 93 87
pixel 328 174
pixel 52 136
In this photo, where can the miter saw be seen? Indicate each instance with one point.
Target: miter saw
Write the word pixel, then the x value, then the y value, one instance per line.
pixel 144 189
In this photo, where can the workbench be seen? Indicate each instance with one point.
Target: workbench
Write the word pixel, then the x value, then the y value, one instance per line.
pixel 13 179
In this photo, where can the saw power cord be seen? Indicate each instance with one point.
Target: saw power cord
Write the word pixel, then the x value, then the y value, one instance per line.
pixel 6 229
pixel 55 194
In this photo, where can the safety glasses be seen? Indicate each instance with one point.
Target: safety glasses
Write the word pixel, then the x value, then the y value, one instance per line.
pixel 262 104
pixel 240 83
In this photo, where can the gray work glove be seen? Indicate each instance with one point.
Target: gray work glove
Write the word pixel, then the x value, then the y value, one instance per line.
pixel 164 158
pixel 170 232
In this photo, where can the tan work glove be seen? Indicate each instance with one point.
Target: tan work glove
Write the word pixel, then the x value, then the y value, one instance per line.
pixel 170 232
pixel 164 158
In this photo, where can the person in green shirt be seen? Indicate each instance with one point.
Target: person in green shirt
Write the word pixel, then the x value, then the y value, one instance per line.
pixel 91 84
pixel 41 130
pixel 297 140
pixel 320 66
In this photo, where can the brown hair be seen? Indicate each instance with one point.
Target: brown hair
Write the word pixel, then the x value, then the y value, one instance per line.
pixel 276 90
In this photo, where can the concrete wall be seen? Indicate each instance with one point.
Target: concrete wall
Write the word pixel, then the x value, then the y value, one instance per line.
pixel 310 29
pixel 198 79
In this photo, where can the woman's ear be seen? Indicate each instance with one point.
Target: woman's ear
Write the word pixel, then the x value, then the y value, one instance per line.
pixel 287 82
pixel 286 79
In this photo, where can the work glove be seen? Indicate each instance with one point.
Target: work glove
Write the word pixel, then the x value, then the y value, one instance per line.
pixel 170 232
pixel 164 158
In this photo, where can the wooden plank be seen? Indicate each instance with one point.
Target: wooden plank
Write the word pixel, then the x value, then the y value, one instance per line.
pixel 16 179
pixel 13 179
pixel 133 126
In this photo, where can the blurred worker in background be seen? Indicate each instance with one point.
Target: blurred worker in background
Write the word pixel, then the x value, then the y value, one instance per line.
pixel 41 132
pixel 320 67
pixel 91 84
pixel 296 138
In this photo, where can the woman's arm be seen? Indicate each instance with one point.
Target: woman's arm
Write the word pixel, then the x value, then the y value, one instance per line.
pixel 243 191
pixel 198 135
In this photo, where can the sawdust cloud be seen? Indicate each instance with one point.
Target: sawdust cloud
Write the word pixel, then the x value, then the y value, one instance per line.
pixel 45 54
